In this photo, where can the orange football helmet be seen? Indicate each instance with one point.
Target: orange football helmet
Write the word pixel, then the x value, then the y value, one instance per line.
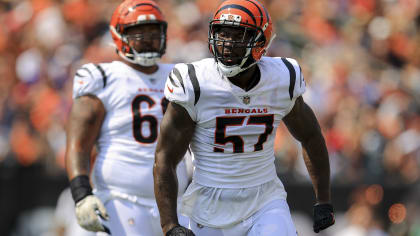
pixel 249 15
pixel 132 13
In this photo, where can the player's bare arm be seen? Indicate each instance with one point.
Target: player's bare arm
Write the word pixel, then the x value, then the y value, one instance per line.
pixel 86 117
pixel 176 131
pixel 303 125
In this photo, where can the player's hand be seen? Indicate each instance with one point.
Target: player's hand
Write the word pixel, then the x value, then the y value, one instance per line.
pixel 323 216
pixel 179 231
pixel 88 211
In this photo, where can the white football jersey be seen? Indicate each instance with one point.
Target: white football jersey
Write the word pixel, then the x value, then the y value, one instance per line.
pixel 233 142
pixel 134 104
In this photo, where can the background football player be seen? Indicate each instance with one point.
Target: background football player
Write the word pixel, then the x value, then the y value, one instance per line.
pixel 229 109
pixel 119 106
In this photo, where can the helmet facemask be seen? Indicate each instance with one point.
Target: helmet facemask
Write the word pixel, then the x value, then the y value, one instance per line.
pixel 248 15
pixel 130 24
pixel 142 47
pixel 232 43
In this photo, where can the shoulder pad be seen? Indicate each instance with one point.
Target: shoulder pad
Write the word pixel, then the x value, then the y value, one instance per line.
pixel 89 79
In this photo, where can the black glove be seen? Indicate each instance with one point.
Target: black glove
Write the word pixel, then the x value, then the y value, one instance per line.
pixel 323 216
pixel 179 231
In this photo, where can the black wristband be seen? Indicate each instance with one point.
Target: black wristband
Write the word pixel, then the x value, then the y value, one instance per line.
pixel 80 187
pixel 171 230
pixel 326 206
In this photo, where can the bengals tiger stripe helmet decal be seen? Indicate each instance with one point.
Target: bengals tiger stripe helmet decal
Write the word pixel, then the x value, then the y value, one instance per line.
pixel 132 13
pixel 250 15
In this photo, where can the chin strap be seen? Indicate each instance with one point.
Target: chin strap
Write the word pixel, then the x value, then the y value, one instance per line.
pixel 230 71
pixel 143 59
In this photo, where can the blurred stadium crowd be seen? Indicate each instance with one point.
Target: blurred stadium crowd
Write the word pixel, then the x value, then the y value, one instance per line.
pixel 361 61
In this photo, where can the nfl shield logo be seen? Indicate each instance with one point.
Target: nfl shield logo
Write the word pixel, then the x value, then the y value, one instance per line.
pixel 246 99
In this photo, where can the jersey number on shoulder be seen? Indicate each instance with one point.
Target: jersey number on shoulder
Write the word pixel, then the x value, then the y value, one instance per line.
pixel 139 119
pixel 236 140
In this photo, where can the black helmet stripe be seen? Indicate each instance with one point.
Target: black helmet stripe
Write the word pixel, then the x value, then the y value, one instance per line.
pixel 266 12
pixel 259 9
pixel 144 4
pixel 239 7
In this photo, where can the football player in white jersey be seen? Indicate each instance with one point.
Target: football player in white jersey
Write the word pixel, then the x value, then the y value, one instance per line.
pixel 228 109
pixel 119 106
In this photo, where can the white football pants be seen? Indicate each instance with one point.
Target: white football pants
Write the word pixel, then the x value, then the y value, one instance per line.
pixel 273 219
pixel 128 218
